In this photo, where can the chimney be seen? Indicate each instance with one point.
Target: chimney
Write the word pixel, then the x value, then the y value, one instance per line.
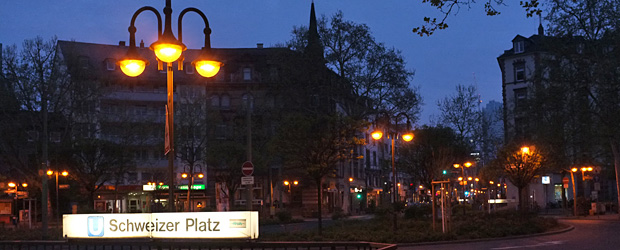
pixel 259 45
pixel 141 43
pixel 121 43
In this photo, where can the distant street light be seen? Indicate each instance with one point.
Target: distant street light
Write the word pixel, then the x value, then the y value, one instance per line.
pixel 462 178
pixel 191 176
pixel 168 50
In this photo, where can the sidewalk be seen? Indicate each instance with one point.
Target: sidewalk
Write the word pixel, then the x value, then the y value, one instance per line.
pixel 563 214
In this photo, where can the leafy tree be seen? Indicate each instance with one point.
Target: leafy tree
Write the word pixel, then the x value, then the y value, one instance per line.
pixel 378 75
pixel 314 144
pixel 520 164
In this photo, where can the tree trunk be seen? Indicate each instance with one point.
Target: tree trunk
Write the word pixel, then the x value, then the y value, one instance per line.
pixel 616 153
pixel 320 204
pixel 522 201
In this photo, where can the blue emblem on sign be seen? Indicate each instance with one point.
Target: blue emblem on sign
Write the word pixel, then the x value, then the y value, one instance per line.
pixel 95 226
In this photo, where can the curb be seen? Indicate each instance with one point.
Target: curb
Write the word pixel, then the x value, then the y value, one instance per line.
pixel 559 231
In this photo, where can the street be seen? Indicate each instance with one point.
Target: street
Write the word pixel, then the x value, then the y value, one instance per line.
pixel 588 234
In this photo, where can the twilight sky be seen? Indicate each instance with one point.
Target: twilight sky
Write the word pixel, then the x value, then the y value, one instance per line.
pixel 468 47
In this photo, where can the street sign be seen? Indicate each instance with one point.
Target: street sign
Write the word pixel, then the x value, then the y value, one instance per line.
pixel 63 186
pixel 247 168
pixel 247 180
pixel 546 179
pixel 565 182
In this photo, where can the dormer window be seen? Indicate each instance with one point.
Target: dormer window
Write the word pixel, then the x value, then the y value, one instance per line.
pixel 519 46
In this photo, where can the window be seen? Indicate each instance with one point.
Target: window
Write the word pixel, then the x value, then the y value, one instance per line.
pixel 270 101
pixel 225 102
pixel 374 158
pixel 132 177
pixel 83 62
pixel 519 46
pixel 189 69
pixel 220 132
pixel 273 73
pixel 520 97
pixel 55 137
pixel 247 98
pixel 314 100
pixel 215 101
pixel 519 71
pixel 247 74
pixel 140 110
pixel 580 48
pixel 110 64
pixel 520 127
pixel 33 135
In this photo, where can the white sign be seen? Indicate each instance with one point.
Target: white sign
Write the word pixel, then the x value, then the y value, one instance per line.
pixel 247 180
pixel 546 180
pixel 148 187
pixel 210 225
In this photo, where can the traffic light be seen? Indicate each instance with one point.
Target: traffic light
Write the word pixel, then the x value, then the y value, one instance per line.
pixel 444 171
pixel 359 196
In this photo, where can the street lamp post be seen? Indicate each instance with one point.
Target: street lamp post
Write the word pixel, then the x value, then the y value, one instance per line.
pixel 15 196
pixel 290 193
pixel 168 50
pixel 572 177
pixel 407 136
pixel 63 173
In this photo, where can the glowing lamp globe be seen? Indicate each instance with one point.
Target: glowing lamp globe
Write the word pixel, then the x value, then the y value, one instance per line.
pixel 167 52
pixel 207 68
pixel 132 67
pixel 408 137
pixel 376 135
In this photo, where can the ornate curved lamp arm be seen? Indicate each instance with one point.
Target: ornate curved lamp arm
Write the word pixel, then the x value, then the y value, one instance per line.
pixel 207 29
pixel 406 116
pixel 132 27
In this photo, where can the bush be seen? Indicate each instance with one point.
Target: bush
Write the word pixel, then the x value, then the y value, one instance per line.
pixel 457 210
pixel 284 216
pixel 475 225
pixel 418 211
pixel 338 214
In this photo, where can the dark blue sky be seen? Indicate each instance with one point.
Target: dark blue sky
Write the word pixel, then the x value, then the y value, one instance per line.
pixel 469 46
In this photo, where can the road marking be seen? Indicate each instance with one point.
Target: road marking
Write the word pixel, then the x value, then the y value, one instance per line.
pixel 549 243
